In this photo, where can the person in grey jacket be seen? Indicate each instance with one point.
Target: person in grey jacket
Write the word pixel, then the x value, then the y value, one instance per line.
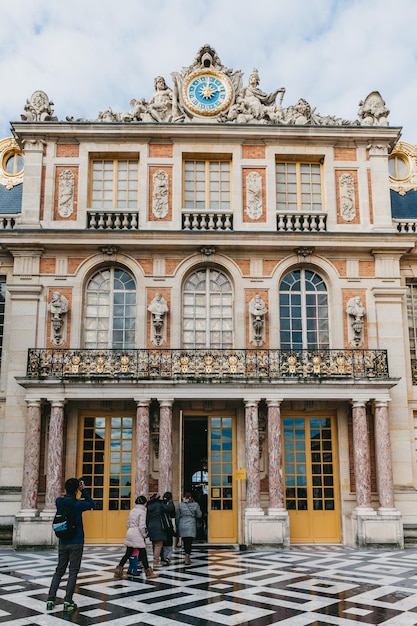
pixel 186 518
pixel 135 538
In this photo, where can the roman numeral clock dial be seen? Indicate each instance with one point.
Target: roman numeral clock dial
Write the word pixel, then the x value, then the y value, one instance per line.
pixel 207 92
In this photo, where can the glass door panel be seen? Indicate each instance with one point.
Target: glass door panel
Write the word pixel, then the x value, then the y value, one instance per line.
pixel 311 475
pixel 222 496
pixel 106 464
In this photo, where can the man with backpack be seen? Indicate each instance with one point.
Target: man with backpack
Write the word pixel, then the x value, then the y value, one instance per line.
pixel 69 528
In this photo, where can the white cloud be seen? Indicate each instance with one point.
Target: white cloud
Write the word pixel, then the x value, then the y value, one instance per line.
pixel 91 54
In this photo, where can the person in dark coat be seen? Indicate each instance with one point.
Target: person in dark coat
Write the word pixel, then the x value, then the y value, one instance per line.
pixel 167 547
pixel 155 523
pixel 70 551
pixel 186 517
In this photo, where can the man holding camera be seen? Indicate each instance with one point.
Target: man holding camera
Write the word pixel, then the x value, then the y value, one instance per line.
pixel 70 551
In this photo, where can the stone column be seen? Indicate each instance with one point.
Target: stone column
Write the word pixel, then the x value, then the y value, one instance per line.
pixel 142 448
pixel 253 482
pixel 361 457
pixel 30 482
pixel 165 446
pixel 275 473
pixel 383 457
pixel 55 460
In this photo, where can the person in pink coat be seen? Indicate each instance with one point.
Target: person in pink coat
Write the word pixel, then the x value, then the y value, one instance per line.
pixel 135 538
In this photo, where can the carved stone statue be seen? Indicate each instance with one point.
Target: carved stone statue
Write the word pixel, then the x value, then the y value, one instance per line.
pixel 356 312
pixel 159 108
pixel 158 308
pixel 231 103
pixel 372 111
pixel 38 108
pixel 255 103
pixel 58 307
pixel 257 310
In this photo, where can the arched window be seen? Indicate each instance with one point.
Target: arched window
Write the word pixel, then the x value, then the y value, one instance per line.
pixel 207 310
pixel 110 310
pixel 303 309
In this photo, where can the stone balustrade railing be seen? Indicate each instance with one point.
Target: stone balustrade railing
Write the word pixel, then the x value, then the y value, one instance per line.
pixel 112 220
pixel 405 225
pixel 9 222
pixel 301 222
pixel 210 220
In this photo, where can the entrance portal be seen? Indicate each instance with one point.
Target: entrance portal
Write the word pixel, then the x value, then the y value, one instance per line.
pixel 209 467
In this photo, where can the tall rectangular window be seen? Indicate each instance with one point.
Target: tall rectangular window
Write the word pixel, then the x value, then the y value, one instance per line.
pixel 207 185
pixel 412 318
pixel 2 304
pixel 298 186
pixel 114 184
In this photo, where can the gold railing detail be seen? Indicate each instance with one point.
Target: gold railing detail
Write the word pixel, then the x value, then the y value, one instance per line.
pixel 198 365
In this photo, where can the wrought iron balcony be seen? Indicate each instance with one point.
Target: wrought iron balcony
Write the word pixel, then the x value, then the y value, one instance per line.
pixel 202 365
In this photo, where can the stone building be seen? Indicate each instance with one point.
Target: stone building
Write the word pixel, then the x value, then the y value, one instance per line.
pixel 210 292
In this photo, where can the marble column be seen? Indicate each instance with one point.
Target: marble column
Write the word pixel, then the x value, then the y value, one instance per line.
pixel 275 473
pixel 361 457
pixel 142 449
pixel 55 460
pixel 30 481
pixel 383 457
pixel 165 446
pixel 253 481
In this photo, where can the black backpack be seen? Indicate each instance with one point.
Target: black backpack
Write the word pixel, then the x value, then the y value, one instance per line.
pixel 63 523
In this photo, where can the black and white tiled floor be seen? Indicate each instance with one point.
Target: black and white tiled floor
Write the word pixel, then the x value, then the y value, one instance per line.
pixel 303 586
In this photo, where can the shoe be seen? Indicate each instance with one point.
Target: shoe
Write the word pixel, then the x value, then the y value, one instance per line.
pixel 187 559
pixel 50 604
pixel 167 562
pixel 69 607
pixel 156 564
pixel 118 572
pixel 150 574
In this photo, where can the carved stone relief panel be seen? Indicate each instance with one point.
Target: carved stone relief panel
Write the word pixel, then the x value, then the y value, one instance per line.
pixel 160 193
pixel 253 195
pixel 347 197
pixel 66 191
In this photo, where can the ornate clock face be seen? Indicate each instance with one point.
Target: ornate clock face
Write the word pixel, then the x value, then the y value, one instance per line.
pixel 207 92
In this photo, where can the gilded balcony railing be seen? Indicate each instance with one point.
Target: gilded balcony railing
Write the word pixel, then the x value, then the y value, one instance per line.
pixel 201 365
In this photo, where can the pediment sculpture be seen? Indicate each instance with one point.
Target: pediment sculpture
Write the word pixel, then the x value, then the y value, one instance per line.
pixel 208 91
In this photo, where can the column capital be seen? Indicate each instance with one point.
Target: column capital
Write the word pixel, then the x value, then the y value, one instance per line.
pixel 58 403
pixel 251 402
pixel 33 402
pixel 274 401
pixel 168 402
pixel 142 401
pixel 358 403
pixel 383 402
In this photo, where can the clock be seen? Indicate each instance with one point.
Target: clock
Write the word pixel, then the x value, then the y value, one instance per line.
pixel 207 92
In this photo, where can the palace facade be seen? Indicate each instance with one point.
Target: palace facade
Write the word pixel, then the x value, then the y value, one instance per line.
pixel 212 292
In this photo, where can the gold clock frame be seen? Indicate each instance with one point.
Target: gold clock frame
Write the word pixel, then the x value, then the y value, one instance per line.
pixel 219 109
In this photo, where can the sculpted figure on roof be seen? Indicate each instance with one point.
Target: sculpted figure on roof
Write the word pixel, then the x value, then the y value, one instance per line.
pixel 208 91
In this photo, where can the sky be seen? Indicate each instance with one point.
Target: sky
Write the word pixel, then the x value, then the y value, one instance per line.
pixel 88 55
